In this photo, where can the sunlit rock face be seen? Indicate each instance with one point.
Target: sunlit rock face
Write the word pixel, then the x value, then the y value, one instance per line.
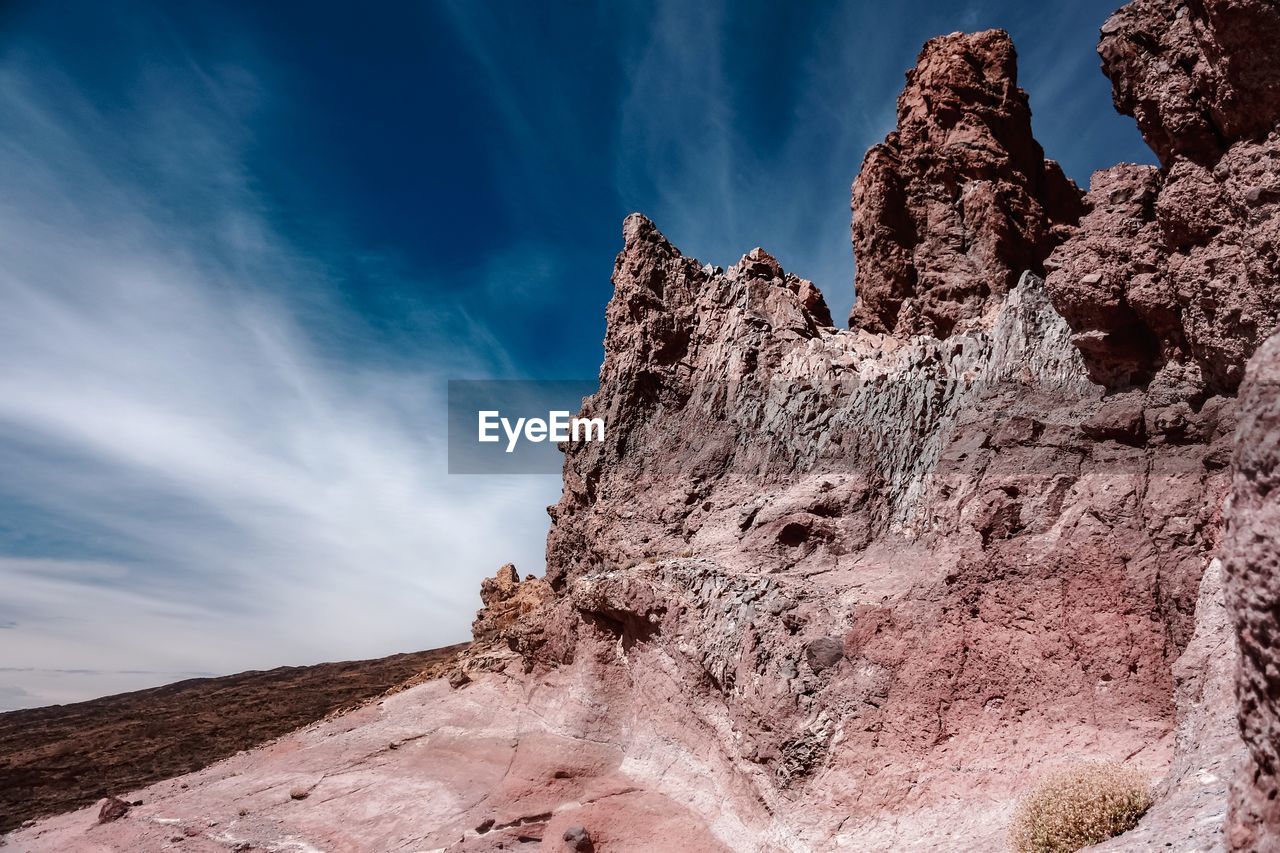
pixel 853 560
pixel 1181 265
pixel 958 201
pixel 859 589
pixel 1252 558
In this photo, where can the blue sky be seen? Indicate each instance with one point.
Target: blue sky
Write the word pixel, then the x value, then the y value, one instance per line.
pixel 244 246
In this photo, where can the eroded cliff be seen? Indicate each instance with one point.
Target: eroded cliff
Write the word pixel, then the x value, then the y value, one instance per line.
pixel 858 589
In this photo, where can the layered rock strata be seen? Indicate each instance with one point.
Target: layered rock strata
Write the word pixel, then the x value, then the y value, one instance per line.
pixel 825 589
pixel 889 568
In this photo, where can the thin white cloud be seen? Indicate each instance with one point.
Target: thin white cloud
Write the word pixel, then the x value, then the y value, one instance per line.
pixel 693 153
pixel 676 142
pixel 200 476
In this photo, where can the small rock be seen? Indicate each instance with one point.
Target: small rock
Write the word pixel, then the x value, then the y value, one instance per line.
pixel 1120 418
pixel 577 838
pixel 1253 195
pixel 112 809
pixel 299 794
pixel 458 679
pixel 823 653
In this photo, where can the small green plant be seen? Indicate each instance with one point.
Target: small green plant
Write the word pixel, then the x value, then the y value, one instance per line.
pixel 1078 806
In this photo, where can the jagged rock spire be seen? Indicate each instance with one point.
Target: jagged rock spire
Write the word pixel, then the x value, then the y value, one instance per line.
pixel 959 200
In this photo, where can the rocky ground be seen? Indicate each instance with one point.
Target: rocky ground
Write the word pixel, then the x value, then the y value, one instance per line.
pixel 861 588
pixel 66 756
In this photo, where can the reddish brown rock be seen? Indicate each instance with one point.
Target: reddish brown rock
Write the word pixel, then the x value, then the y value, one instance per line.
pixel 1010 558
pixel 113 808
pixel 1182 265
pixel 959 201
pixel 825 589
pixel 507 600
pixel 1197 76
pixel 1252 563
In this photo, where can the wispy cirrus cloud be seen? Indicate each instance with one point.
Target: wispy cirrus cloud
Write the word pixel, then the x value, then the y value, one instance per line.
pixel 210 464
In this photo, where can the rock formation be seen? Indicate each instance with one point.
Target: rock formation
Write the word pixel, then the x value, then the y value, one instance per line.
pixel 506 601
pixel 1252 554
pixel 1181 265
pixel 859 589
pixel 959 200
pixel 866 547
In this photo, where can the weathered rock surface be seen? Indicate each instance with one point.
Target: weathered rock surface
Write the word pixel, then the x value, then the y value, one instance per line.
pixel 506 601
pixel 825 589
pixel 1012 560
pixel 1182 264
pixel 68 756
pixel 1252 558
pixel 1191 800
pixel 908 581
pixel 959 200
pixel 1197 76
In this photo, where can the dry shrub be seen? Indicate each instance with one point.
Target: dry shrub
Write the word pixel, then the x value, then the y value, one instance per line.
pixel 1078 806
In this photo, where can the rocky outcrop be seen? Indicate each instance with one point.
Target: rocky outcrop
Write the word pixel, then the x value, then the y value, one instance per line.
pixel 1252 559
pixel 824 589
pixel 874 558
pixel 959 200
pixel 507 600
pixel 1198 77
pixel 1182 264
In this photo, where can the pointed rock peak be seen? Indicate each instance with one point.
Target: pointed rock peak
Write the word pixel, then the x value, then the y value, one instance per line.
pixel 957 202
pixel 758 264
pixel 501 585
pixel 986 59
pixel 814 302
pixel 639 234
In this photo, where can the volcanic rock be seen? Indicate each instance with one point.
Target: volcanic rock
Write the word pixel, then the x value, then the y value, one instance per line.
pixel 1252 561
pixel 1182 264
pixel 860 589
pixel 62 757
pixel 506 601
pixel 959 200
pixel 113 808
pixel 1197 76
pixel 578 839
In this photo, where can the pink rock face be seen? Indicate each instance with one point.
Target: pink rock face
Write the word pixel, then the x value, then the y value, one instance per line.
pixel 959 200
pixel 507 600
pixel 875 559
pixel 1252 561
pixel 1183 265
pixel 825 589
